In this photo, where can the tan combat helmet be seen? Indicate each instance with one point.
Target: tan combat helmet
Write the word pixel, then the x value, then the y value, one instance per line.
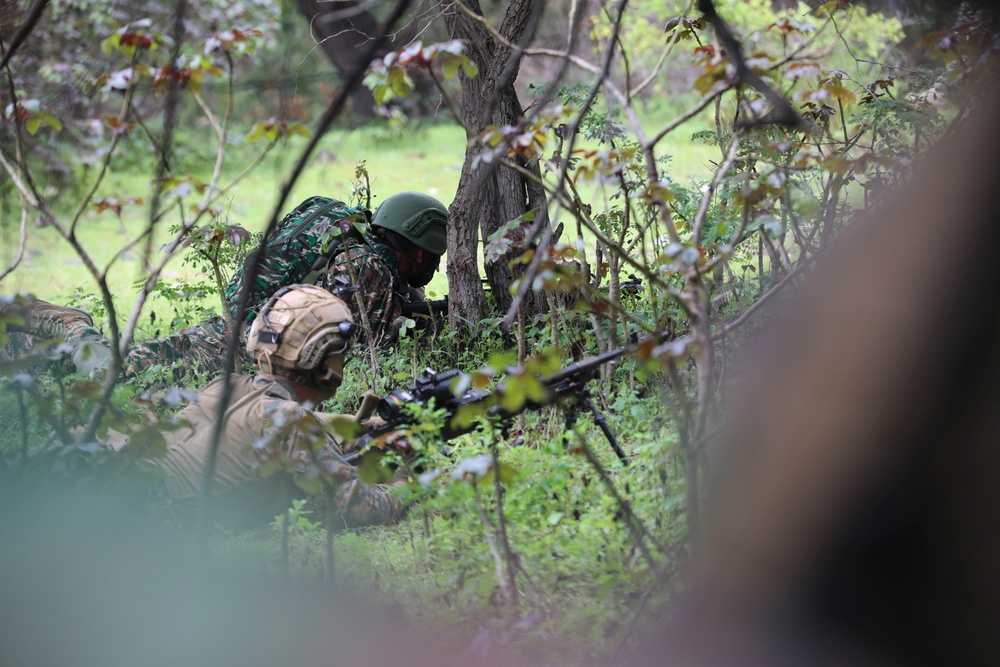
pixel 303 333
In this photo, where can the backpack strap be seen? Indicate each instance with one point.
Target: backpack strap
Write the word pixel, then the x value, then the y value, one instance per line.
pixel 297 221
pixel 320 268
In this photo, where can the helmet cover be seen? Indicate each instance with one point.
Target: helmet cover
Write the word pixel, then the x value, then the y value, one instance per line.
pixel 302 333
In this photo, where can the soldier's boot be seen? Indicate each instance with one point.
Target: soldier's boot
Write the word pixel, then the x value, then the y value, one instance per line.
pixel 91 351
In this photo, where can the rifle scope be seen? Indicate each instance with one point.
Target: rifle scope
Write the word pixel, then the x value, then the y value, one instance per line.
pixel 430 384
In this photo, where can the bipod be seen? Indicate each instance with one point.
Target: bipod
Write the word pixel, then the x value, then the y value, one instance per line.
pixel 583 395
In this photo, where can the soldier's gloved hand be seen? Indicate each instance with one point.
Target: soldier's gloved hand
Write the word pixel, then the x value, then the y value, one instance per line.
pixel 400 445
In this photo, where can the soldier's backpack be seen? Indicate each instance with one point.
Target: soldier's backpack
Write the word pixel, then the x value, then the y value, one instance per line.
pixel 305 239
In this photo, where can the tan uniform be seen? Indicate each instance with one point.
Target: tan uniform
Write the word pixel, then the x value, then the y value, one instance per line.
pixel 266 426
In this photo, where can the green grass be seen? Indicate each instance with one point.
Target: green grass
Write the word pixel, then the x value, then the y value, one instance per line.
pixel 580 564
pixel 426 158
pixel 415 161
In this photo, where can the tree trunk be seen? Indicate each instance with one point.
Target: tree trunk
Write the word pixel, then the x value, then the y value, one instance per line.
pixel 342 28
pixel 489 195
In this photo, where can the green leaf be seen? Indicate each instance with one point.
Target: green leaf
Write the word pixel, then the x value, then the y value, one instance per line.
pixel 507 472
pixel 827 8
pixel 371 471
pixel 344 426
pixel 299 129
pixel 399 82
pixel 311 484
pixel 467 414
pixel 256 132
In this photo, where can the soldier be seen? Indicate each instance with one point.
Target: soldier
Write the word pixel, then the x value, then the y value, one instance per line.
pixel 317 242
pixel 299 343
pixel 403 250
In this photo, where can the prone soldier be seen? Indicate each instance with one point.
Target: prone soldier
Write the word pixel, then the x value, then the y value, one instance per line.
pixel 401 250
pixel 299 342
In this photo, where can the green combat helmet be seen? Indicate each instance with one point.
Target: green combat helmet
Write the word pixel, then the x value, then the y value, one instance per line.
pixel 419 218
pixel 303 333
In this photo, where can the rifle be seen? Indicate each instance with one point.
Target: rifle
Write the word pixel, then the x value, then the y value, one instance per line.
pixel 631 286
pixel 423 309
pixel 569 382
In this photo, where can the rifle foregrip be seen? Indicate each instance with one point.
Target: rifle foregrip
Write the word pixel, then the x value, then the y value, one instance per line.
pixel 424 308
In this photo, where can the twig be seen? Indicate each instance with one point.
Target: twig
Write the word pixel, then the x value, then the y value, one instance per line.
pixel 689 114
pixel 528 276
pixel 508 594
pixel 510 556
pixel 663 58
pixel 332 111
pixel 640 534
pixel 782 111
pixel 690 464
pixel 761 300
pixel 22 33
pixel 22 238
pixel 169 122
pixel 720 173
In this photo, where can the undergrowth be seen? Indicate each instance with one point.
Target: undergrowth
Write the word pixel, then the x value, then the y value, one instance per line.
pixel 581 563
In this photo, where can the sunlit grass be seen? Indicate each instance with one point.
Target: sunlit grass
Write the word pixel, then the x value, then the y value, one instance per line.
pixel 422 158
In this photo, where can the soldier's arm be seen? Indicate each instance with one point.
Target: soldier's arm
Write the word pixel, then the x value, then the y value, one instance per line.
pixel 377 290
pixel 357 503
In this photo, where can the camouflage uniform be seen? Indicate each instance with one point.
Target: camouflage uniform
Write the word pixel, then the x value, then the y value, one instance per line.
pixel 300 240
pixel 372 267
pixel 366 262
pixel 265 421
pixel 292 250
pixel 202 346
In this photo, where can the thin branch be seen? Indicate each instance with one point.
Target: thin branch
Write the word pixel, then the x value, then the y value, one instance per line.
pixel 761 300
pixel 782 111
pixel 690 466
pixel 221 132
pixel 689 114
pixel 508 594
pixel 15 178
pixel 640 534
pixel 23 237
pixel 447 100
pixel 234 336
pixel 169 122
pixel 22 33
pixel 509 555
pixel 720 173
pixel 106 161
pixel 663 58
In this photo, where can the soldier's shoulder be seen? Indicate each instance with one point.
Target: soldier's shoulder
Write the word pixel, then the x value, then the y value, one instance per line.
pixel 280 412
pixel 374 254
pixel 273 387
